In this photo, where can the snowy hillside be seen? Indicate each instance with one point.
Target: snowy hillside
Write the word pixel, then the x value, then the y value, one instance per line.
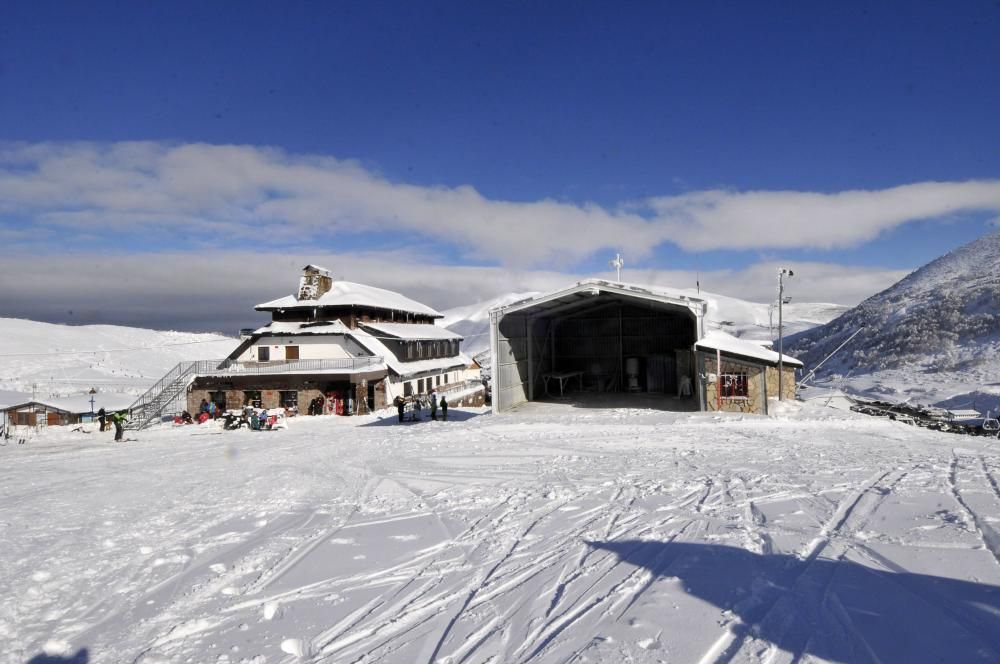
pixel 749 320
pixel 472 321
pixel 62 360
pixel 934 337
pixel 555 534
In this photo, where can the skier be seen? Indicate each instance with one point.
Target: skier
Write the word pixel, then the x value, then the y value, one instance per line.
pixel 444 409
pixel 434 405
pixel 416 408
pixel 400 406
pixel 102 418
pixel 119 421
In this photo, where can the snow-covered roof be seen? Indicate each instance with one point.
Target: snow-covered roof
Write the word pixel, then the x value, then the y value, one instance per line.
pixel 413 331
pixel 590 287
pixel 78 403
pixel 727 343
pixel 404 369
pixel 292 328
pixel 348 293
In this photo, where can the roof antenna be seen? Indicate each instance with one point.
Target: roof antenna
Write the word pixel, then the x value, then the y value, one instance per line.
pixel 618 263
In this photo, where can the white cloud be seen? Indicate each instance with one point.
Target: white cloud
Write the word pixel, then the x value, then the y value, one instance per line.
pixel 217 291
pixel 139 188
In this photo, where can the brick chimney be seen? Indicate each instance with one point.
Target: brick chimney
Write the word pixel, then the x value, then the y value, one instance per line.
pixel 315 282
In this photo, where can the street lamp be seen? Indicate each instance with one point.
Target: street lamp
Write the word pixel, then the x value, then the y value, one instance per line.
pixel 92 393
pixel 781 346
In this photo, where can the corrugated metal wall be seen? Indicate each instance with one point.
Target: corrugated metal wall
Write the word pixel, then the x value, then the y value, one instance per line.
pixel 510 383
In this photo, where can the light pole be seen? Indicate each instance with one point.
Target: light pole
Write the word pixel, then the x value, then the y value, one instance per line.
pixel 781 338
pixel 93 391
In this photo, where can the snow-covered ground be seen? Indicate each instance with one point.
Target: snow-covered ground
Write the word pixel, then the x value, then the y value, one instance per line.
pixel 67 360
pixel 553 534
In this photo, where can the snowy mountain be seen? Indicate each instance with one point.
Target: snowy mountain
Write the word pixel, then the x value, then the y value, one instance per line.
pixel 64 360
pixel 934 337
pixel 472 321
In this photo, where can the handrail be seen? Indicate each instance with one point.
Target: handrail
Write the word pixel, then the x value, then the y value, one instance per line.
pixel 288 366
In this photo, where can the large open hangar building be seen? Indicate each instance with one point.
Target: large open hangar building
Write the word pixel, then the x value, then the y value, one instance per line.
pixel 603 342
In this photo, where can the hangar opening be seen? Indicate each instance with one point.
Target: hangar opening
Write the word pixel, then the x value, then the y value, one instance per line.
pixel 598 343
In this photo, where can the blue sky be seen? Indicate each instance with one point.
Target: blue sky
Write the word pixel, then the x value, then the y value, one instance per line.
pixel 523 138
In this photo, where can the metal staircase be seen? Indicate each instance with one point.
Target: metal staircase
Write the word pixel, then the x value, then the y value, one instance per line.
pixel 148 408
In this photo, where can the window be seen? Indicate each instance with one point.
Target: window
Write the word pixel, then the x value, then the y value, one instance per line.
pixel 407 389
pixel 251 398
pixel 409 351
pixel 420 386
pixel 734 385
pixel 420 350
pixel 438 380
pixel 291 352
pixel 263 354
pixel 289 398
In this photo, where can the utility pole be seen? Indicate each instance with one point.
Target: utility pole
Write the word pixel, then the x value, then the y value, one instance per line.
pixel 781 336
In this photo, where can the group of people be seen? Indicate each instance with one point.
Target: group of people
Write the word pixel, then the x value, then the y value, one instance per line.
pixel 208 410
pixel 432 402
pixel 117 419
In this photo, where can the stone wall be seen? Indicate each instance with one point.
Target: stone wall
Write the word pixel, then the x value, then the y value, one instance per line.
pixel 754 402
pixel 787 382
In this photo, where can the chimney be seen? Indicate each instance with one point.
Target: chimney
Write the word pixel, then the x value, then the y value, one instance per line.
pixel 314 283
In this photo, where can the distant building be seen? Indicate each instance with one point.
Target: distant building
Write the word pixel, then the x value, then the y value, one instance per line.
pixel 19 409
pixel 601 338
pixel 357 346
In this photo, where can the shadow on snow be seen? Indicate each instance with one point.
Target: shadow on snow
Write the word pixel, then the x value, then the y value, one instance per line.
pixel 454 415
pixel 81 657
pixel 836 610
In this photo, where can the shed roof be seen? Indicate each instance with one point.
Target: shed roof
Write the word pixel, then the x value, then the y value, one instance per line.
pixel 281 328
pixel 727 343
pixel 568 297
pixel 412 331
pixel 404 369
pixel 348 293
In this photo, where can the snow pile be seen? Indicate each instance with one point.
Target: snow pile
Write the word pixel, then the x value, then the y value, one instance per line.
pixel 552 535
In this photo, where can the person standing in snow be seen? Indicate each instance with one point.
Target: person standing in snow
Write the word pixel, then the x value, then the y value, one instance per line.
pixel 119 421
pixel 444 409
pixel 434 405
pixel 416 408
pixel 400 407
pixel 102 419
